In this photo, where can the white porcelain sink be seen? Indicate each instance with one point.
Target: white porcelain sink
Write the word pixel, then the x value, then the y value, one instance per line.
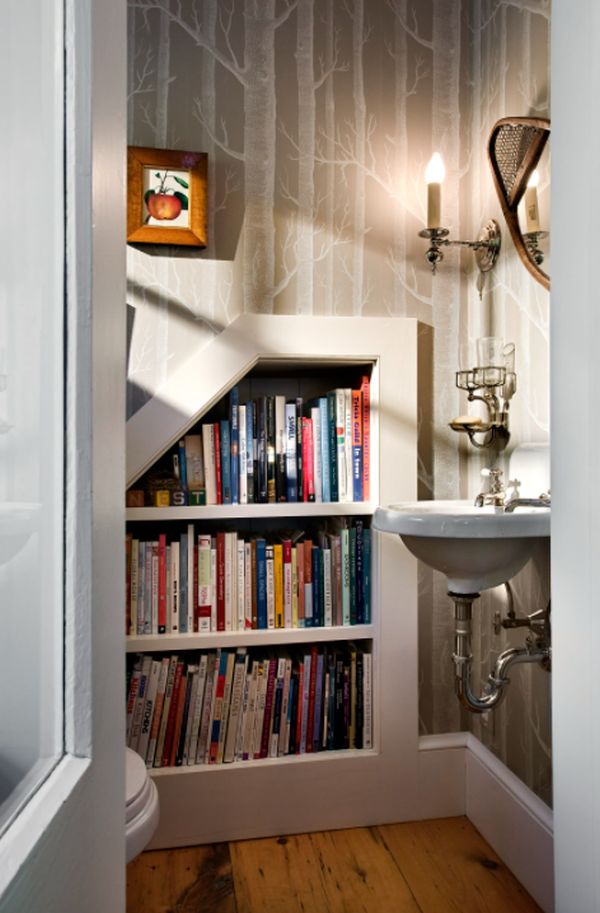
pixel 475 547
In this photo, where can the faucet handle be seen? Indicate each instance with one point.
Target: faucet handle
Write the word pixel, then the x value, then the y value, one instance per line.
pixel 495 477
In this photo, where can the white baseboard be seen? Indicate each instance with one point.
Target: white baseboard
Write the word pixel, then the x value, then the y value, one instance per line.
pixel 458 775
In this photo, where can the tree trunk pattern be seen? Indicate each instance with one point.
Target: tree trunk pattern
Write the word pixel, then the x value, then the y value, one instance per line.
pixel 360 128
pixel 306 157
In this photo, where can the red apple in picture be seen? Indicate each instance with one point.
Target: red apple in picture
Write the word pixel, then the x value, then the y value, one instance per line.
pixel 163 206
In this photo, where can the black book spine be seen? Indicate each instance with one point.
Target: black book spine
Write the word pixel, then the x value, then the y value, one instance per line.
pixel 270 409
pixel 299 406
pixel 261 450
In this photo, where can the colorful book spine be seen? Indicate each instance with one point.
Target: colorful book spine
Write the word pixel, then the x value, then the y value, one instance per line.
pixel 243 454
pixel 261 584
pixel 360 579
pixel 357 449
pixel 308 478
pixel 332 446
pixel 280 449
pixel 308 584
pixel 210 466
pixel 183 583
pixel 220 537
pixel 162 583
pixel 291 468
pixel 261 449
pixel 325 460
pixel 315 416
pixel 299 451
pixel 234 470
pixel 287 582
pixel 218 465
pixel 270 446
pixel 250 453
pixel 182 465
pixel 270 571
pixel 202 619
pixel 175 587
pixel 365 389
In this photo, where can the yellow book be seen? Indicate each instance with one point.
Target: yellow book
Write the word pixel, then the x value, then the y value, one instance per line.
pixel 278 579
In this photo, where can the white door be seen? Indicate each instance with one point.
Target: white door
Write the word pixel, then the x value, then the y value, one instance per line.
pixel 62 376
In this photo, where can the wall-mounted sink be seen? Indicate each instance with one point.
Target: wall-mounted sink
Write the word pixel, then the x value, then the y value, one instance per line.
pixel 475 547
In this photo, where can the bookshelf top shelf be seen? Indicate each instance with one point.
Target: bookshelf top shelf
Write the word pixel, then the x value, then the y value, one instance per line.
pixel 250 511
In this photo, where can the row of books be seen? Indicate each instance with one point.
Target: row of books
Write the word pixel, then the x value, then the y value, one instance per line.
pixel 197 583
pixel 274 449
pixel 221 706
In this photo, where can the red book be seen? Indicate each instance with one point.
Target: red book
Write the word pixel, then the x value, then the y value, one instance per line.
pixel 218 709
pixel 220 581
pixel 218 473
pixel 170 731
pixel 311 699
pixel 366 436
pixel 267 721
pixel 300 578
pixel 299 713
pixel 162 584
pixel 202 563
pixel 178 720
pixel 308 470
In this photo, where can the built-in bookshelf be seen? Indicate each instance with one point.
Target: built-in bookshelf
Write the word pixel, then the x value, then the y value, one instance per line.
pixel 293 578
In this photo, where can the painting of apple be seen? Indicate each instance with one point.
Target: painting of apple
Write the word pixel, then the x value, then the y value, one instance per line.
pixel 165 199
pixel 163 205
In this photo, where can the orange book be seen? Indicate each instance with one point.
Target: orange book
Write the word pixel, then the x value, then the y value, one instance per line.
pixel 365 389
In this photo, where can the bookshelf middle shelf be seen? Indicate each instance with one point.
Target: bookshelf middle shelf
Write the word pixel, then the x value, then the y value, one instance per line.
pixel 250 511
pixel 148 643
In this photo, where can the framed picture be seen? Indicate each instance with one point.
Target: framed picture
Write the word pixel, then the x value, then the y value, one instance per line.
pixel 166 197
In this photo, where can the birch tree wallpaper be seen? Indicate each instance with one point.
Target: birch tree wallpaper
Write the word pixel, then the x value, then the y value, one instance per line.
pixel 319 119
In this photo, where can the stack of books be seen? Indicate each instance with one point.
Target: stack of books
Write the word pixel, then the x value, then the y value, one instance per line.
pixel 272 449
pixel 221 706
pixel 197 583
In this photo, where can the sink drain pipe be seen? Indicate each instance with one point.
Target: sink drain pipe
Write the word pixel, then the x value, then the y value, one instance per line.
pixel 537 650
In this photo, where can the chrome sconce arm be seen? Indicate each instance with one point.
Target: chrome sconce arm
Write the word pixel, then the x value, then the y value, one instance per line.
pixel 493 386
pixel 486 248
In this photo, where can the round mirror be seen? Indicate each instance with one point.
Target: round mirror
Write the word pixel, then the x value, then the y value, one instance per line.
pixel 520 171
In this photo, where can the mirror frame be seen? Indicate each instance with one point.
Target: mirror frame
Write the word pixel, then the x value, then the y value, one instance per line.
pixel 509 201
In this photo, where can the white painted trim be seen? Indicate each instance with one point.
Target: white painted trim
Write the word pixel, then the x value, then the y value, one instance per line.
pixel 38 814
pixel 458 775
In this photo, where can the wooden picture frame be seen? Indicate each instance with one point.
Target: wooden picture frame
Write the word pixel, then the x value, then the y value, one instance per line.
pixel 166 197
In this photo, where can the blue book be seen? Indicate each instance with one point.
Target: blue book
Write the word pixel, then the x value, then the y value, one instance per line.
pixel 250 454
pixel 261 583
pixel 367 574
pixel 332 447
pixel 317 585
pixel 183 583
pixel 291 468
pixel 182 466
pixel 216 722
pixel 225 444
pixel 234 402
pixel 325 457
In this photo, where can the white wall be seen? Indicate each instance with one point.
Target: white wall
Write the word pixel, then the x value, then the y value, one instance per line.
pixel 575 446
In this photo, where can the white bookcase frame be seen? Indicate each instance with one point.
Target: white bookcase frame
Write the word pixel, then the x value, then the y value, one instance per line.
pixel 328 789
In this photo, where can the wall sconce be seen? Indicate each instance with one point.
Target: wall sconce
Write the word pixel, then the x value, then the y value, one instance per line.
pixel 492 382
pixel 533 235
pixel 486 247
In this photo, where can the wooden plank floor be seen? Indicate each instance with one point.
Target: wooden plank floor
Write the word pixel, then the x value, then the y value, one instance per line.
pixel 441 866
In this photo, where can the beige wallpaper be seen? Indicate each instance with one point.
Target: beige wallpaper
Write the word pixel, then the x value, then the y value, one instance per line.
pixel 319 119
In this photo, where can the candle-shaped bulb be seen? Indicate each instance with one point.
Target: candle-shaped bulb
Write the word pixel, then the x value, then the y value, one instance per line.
pixel 532 213
pixel 434 175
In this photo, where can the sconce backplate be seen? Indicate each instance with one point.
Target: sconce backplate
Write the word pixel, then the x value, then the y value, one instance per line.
pixel 487 254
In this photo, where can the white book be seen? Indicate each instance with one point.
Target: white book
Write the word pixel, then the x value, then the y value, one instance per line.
pixel 367 700
pixel 327 587
pixel 192 672
pixel 230 580
pixel 348 442
pixel 344 493
pixel 243 453
pixel 249 716
pixel 235 704
pixel 244 710
pixel 291 465
pixel 133 587
pixel 204 732
pixel 247 586
pixel 191 593
pixel 210 465
pixel 241 585
pixel 315 414
pixel 213 584
pixel 226 707
pixel 270 575
pixel 148 708
pixel 138 710
pixel 259 710
pixel 174 597
pixel 284 736
pixel 280 445
pixel 204 584
pixel 197 715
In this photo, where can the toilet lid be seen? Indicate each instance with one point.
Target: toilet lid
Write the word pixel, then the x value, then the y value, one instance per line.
pixel 136 777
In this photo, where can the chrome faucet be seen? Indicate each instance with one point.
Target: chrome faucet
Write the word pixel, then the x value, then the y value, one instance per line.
pixel 496 495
